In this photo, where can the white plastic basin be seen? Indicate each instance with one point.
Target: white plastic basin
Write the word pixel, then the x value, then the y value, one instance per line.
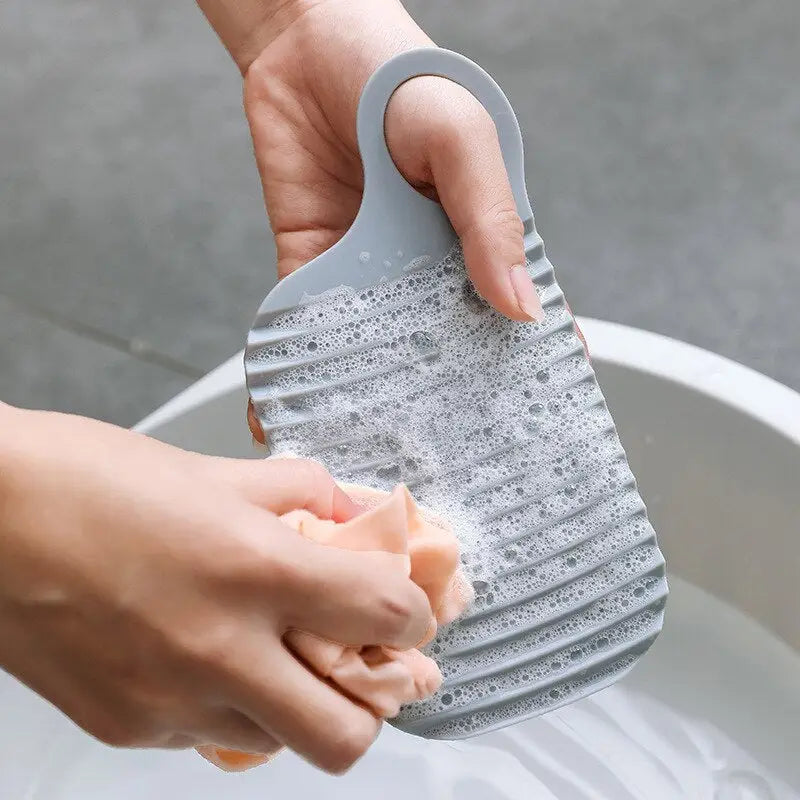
pixel 716 448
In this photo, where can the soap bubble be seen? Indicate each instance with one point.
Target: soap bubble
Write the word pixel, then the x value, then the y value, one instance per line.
pixel 499 427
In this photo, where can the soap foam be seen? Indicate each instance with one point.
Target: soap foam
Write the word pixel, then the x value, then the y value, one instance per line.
pixel 500 427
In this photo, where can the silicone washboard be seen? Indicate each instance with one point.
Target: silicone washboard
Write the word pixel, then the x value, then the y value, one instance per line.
pixel 378 359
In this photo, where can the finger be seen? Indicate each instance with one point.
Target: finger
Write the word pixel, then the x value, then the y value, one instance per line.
pixel 308 715
pixel 297 247
pixel 466 167
pixel 473 187
pixel 286 484
pixel 230 729
pixel 354 598
pixel 234 760
pixel 312 186
pixel 254 424
pixel 578 331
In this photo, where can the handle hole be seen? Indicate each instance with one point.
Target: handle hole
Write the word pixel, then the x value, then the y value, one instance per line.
pixel 419 111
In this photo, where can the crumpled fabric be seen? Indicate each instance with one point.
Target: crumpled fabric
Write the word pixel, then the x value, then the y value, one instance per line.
pixel 381 678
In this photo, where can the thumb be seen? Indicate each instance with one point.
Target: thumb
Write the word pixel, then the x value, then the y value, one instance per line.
pixel 466 168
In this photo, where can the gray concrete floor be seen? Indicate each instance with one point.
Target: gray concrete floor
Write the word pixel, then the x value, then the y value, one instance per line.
pixel 662 151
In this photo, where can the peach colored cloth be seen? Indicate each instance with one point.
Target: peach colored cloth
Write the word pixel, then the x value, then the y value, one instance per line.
pixel 382 678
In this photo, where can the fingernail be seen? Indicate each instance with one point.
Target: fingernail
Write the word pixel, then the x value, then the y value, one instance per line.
pixel 525 293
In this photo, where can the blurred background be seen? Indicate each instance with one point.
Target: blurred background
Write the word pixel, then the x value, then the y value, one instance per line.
pixel 663 155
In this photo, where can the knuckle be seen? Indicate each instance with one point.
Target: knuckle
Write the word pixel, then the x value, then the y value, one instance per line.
pixel 216 648
pixel 352 740
pixel 498 223
pixel 313 473
pixel 310 476
pixel 399 608
pixel 502 214
pixel 396 615
pixel 400 611
pixel 499 217
pixel 203 651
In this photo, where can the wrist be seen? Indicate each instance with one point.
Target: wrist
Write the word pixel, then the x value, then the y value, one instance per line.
pixel 246 27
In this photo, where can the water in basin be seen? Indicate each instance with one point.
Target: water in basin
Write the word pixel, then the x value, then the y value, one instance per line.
pixel 712 711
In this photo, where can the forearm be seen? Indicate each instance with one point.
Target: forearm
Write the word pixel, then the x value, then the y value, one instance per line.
pixel 11 420
pixel 246 27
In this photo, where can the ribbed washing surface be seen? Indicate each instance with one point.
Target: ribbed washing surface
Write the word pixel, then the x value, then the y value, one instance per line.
pixel 499 426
